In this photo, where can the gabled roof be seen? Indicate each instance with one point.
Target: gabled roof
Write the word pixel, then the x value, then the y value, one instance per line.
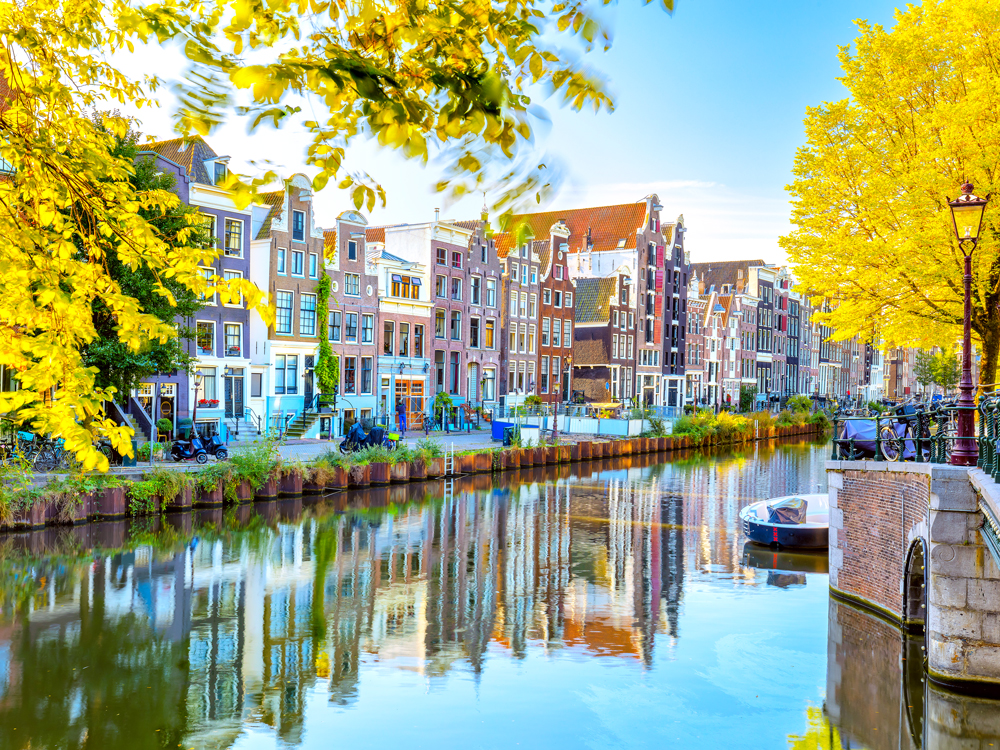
pixel 592 302
pixel 608 225
pixel 276 201
pixel 717 273
pixel 190 153
pixel 504 242
pixel 544 251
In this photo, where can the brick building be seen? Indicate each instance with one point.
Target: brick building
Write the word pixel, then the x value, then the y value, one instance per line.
pixel 556 317
pixel 603 349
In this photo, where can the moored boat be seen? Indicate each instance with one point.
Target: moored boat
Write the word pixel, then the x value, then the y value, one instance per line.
pixel 801 521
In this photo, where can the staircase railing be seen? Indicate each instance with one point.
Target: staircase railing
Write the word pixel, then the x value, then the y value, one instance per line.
pixel 142 420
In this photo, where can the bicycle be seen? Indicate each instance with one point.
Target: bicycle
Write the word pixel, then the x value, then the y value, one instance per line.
pixel 51 455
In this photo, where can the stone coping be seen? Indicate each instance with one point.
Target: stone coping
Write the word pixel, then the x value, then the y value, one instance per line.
pixel 935 471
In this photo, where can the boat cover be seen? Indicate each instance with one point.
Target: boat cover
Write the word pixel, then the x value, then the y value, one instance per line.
pixel 792 510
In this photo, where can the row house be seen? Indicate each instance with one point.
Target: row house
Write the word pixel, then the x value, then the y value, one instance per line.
pixel 604 347
pixel 221 343
pixel 695 345
pixel 557 317
pixel 458 350
pixel 287 262
pixel 732 352
pixel 353 316
pixel 630 241
pixel 520 317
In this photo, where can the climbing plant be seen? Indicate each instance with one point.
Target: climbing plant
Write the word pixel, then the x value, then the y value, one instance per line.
pixel 327 363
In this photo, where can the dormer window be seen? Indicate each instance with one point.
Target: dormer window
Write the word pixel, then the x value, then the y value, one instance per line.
pixel 221 172
pixel 299 226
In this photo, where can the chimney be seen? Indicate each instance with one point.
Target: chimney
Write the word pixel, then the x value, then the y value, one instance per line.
pixel 437 214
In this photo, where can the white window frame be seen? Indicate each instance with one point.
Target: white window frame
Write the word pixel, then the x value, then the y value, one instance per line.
pixel 225 346
pixel 354 276
pixel 315 312
pixel 229 274
pixel 291 331
pixel 313 266
pixel 225 234
pixel 210 300
pixel 215 337
pixel 291 271
pixel 281 261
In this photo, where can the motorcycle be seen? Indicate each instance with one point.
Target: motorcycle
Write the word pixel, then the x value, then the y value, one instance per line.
pixel 185 450
pixel 358 440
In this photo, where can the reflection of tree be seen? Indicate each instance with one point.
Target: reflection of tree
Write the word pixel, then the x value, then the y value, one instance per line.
pixel 91 681
pixel 820 734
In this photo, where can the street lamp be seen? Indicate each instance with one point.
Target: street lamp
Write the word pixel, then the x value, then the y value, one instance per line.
pixel 198 378
pixel 967 213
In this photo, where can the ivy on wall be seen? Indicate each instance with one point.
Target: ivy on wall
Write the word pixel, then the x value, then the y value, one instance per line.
pixel 327 363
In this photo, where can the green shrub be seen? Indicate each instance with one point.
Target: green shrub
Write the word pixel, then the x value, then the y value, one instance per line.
pixel 375 454
pixel 255 464
pixel 164 425
pixel 877 408
pixel 140 496
pixel 800 403
pixel 428 448
pixel 785 419
pixel 819 418
pixel 764 419
pixel 533 400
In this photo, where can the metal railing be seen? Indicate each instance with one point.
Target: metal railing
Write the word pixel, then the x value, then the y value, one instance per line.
pixel 909 432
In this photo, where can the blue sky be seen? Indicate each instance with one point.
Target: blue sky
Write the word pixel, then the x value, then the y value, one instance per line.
pixel 709 109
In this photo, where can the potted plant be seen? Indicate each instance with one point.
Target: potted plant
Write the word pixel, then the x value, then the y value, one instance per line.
pixel 213 402
pixel 290 479
pixel 399 469
pixel 164 427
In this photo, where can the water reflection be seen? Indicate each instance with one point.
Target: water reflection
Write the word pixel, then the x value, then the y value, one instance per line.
pixel 603 604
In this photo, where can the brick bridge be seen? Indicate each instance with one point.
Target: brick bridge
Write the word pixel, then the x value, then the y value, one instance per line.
pixel 918 544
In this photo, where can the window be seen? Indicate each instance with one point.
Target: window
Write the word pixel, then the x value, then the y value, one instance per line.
pixel 220 172
pixel 367 329
pixel 299 226
pixel 441 286
pixel 631 318
pixel 208 273
pixel 307 315
pixel 568 299
pixel 614 345
pixel 512 347
pixel 456 325
pixel 456 259
pixel 556 331
pixel 474 333
pixel 524 275
pixel 488 334
pixel 352 328
pixel 523 338
pixel 404 339
pixel 352 284
pixel 533 306
pixel 524 250
pixel 313 265
pixel 334 332
pixel 282 253
pixel 352 250
pixel 454 373
pixel 283 312
pixel 366 374
pixel 543 382
pixel 524 304
pixel 234 339
pixel 555 374
pixel 491 292
pixel 439 370
pixel 442 256
pixel 513 271
pixel 456 289
pixel 205 338
pixel 489 384
pixel 256 385
pixel 531 339
pixel 630 342
pixel 475 290
pixel 279 374
pixel 233 276
pixel 513 304
pixel 531 376
pixel 559 272
pixel 557 298
pixel 234 238
pixel 624 320
pixel 545 331
pixel 298 259
pixel 614 318
pixel 350 375
pixel 546 296
pixel 388 337
pixel 534 274
pixel 418 341
pixel 292 374
pixel 439 324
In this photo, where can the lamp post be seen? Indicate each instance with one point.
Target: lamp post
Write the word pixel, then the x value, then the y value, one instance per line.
pixel 198 377
pixel 967 214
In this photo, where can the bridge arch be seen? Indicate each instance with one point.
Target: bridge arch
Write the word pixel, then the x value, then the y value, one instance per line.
pixel 915 586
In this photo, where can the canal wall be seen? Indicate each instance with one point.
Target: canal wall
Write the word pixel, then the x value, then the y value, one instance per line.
pixel 906 541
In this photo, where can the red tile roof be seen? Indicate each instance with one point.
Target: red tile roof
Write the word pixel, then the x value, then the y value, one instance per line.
pixel 375 234
pixel 608 225
pixel 276 201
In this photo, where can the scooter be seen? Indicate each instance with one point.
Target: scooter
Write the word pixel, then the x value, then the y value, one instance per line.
pixel 215 447
pixel 185 450
pixel 357 440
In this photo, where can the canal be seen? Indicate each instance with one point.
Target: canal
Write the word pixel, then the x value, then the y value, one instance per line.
pixel 609 604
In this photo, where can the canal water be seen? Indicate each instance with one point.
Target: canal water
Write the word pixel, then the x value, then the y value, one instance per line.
pixel 611 604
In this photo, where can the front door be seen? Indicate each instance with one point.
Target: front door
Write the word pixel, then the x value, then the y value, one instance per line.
pixel 234 394
pixel 473 390
pixel 307 380
pixel 411 393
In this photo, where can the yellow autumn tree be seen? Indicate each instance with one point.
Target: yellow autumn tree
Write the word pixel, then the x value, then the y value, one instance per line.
pixel 448 79
pixel 872 228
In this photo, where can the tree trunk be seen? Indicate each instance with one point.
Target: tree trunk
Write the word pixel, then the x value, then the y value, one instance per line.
pixel 989 336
